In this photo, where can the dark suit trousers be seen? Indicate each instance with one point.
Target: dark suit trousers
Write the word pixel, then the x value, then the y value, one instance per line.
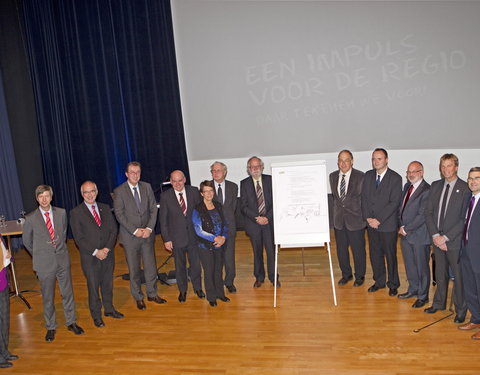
pixel 4 322
pixel 471 282
pixel 212 263
pixel 138 251
pixel 263 238
pixel 444 259
pixel 229 259
pixel 416 258
pixel 180 256
pixel 356 240
pixel 99 275
pixel 383 246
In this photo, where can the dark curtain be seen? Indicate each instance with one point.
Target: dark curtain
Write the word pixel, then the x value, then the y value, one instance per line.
pixel 106 92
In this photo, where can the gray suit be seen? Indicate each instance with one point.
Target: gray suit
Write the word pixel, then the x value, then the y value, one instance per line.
pixel 51 263
pixel 349 224
pixel 137 250
pixel 229 206
pixel 453 229
pixel 416 244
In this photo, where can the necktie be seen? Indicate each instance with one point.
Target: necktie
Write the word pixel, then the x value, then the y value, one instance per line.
pixel 407 197
pixel 136 197
pixel 95 216
pixel 220 194
pixel 260 200
pixel 342 188
pixel 467 221
pixel 48 222
pixel 377 182
pixel 183 205
pixel 443 209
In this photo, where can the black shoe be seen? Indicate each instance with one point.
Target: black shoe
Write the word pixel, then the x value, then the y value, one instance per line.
pixel 430 310
pixel 231 288
pixel 345 280
pixel 213 303
pixel 98 323
pixel 374 288
pixel 392 292
pixel 182 297
pixel 359 282
pixel 50 336
pixel 459 318
pixel 278 284
pixel 200 293
pixel 224 299
pixel 141 304
pixel 76 329
pixel 6 364
pixel 406 295
pixel 257 284
pixel 419 303
pixel 157 299
pixel 115 314
pixel 11 357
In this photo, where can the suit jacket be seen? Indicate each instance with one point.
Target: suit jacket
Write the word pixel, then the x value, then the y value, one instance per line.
pixel 174 225
pixel 36 239
pixel 382 203
pixel 129 216
pixel 470 249
pixel 88 235
pixel 413 218
pixel 230 204
pixel 348 214
pixel 454 215
pixel 249 204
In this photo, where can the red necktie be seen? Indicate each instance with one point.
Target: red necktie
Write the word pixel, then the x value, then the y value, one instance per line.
pixel 407 197
pixel 48 222
pixel 183 205
pixel 95 216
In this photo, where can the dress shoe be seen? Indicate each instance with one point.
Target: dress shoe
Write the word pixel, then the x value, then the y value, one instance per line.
pixel 224 299
pixel 469 326
pixel 115 314
pixel 392 292
pixel 459 318
pixel 98 323
pixel 182 297
pixel 213 303
pixel 257 284
pixel 141 304
pixel 5 364
pixel 76 329
pixel 200 293
pixel 419 303
pixel 430 310
pixel 11 357
pixel 359 282
pixel 476 336
pixel 345 280
pixel 374 288
pixel 50 336
pixel 406 295
pixel 231 289
pixel 278 284
pixel 157 299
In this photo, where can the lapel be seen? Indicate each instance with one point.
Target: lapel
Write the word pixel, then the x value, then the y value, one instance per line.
pixel 335 177
pixel 89 215
pixel 56 222
pixel 41 222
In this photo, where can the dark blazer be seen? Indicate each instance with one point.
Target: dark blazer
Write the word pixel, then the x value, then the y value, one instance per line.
pixel 471 248
pixel 382 203
pixel 127 213
pixel 413 218
pixel 454 216
pixel 229 204
pixel 249 205
pixel 174 225
pixel 348 214
pixel 88 235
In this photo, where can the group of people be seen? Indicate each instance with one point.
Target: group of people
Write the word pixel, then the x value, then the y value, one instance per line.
pixel 442 215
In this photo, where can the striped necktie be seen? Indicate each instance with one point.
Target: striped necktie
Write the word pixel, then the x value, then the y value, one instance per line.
pixel 49 225
pixel 95 215
pixel 260 200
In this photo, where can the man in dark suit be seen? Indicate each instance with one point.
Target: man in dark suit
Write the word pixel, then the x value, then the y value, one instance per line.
pixel 469 253
pixel 346 186
pixel 414 239
pixel 45 236
pixel 381 196
pixel 95 232
pixel 445 217
pixel 226 192
pixel 176 207
pixel 257 207
pixel 136 211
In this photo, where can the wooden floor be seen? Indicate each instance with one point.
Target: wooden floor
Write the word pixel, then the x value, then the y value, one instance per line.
pixel 367 333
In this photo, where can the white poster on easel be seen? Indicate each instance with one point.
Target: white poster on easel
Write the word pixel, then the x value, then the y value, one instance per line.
pixel 300 207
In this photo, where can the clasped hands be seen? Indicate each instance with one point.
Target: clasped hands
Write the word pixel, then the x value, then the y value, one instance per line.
pixel 143 232
pixel 373 223
pixel 102 253
pixel 262 220
pixel 440 242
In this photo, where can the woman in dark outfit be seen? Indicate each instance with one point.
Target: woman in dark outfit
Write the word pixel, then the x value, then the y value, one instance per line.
pixel 211 229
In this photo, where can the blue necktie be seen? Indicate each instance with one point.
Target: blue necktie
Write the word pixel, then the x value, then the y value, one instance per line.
pixel 378 181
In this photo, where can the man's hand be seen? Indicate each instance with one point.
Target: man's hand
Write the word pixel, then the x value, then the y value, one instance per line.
pixel 139 232
pixel 219 241
pixel 402 232
pixel 262 220
pixel 168 246
pixel 102 253
pixel 373 223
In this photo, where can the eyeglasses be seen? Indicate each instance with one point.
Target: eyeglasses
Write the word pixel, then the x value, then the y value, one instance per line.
pixel 412 172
